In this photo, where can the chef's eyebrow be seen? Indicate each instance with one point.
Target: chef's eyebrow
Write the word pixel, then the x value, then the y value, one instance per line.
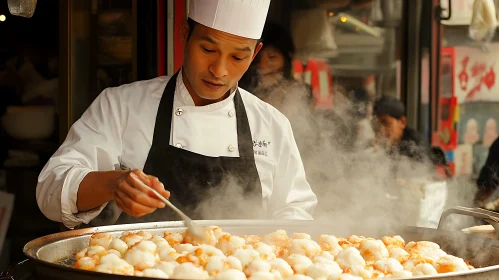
pixel 209 40
pixel 212 41
pixel 244 49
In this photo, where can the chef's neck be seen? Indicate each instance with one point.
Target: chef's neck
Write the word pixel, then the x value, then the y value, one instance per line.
pixel 198 100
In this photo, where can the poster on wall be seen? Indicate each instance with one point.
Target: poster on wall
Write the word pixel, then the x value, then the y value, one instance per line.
pixel 475 74
pixel 463 158
pixel 478 127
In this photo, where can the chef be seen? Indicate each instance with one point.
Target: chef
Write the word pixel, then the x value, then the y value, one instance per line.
pixel 214 149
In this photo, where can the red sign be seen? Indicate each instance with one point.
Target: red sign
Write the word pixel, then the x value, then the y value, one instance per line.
pixel 318 75
pixel 476 74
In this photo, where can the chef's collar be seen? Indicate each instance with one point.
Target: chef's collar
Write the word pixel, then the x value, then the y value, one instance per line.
pixel 185 99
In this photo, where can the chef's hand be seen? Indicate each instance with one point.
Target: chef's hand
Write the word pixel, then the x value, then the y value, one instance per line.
pixel 134 198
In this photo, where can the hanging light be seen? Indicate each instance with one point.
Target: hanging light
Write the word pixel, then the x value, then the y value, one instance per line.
pixel 22 8
pixel 3 18
pixel 352 23
pixel 313 35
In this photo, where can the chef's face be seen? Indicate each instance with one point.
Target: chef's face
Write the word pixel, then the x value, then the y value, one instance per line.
pixel 389 130
pixel 214 61
pixel 270 65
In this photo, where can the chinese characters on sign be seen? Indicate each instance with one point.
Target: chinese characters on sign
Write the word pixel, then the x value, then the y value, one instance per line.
pixel 475 74
pixel 481 75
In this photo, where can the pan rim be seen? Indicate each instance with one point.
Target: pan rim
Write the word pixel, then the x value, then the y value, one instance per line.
pixel 32 247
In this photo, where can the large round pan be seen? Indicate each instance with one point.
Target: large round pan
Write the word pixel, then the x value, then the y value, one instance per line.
pixel 52 254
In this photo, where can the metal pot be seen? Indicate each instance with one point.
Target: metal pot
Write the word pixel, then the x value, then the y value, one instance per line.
pixel 52 254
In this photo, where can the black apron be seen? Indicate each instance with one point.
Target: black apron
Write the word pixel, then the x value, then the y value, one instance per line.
pixel 201 186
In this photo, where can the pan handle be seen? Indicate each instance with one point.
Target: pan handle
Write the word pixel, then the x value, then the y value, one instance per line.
pixel 489 216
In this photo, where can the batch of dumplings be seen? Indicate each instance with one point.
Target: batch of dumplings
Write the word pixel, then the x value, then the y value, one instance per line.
pixel 223 256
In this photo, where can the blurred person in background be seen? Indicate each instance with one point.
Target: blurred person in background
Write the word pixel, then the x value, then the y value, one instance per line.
pixel 392 132
pixel 361 112
pixel 439 160
pixel 270 78
pixel 418 173
pixel 488 180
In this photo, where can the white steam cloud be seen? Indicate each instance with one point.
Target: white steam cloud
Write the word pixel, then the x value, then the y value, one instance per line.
pixel 355 183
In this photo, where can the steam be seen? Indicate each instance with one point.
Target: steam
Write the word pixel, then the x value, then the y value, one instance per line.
pixel 355 183
pixel 228 201
pixel 351 180
pixel 361 190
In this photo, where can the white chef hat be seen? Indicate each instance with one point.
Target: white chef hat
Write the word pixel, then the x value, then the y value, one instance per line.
pixel 244 18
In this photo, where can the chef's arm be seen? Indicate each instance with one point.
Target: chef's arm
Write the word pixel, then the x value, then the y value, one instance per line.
pixel 96 189
pixel 129 189
pixel 83 152
pixel 92 144
pixel 292 198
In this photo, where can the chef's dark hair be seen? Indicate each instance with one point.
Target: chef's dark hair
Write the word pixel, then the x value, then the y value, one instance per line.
pixel 192 23
pixel 390 106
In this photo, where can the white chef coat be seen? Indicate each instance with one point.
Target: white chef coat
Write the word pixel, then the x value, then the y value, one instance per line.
pixel 117 129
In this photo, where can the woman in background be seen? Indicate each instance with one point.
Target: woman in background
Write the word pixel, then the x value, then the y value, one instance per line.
pixel 270 78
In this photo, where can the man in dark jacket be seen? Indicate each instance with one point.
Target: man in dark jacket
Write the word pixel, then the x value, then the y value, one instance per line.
pixel 488 181
pixel 392 132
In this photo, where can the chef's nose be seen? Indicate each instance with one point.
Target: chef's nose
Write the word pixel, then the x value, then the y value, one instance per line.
pixel 218 68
